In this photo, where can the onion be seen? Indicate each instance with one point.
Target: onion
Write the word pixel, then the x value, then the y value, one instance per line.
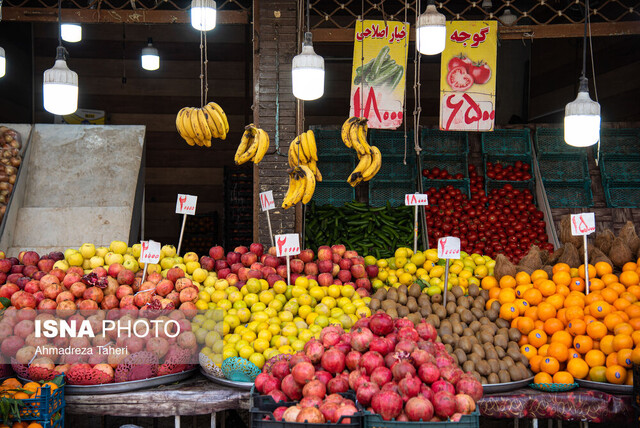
pixel 16 161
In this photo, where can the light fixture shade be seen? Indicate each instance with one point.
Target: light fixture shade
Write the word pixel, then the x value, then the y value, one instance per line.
pixel 60 87
pixel 203 14
pixel 508 18
pixel 71 33
pixel 582 119
pixel 150 57
pixel 431 31
pixel 3 63
pixel 307 72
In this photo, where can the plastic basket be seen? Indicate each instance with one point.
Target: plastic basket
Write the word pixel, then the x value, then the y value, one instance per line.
pixel 622 194
pixel 393 168
pixel 372 420
pixel 333 193
pixel 568 194
pixel 267 403
pixel 329 142
pixel 621 141
pixel 434 141
pixel 615 167
pixel 553 387
pixel 381 192
pixel 506 141
pixel 490 185
pixel 43 408
pixel 438 184
pixel 391 142
pixel 507 160
pixel 551 141
pixel 453 164
pixel 563 167
pixel 336 167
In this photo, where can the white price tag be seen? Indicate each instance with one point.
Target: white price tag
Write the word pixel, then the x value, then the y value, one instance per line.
pixel 413 199
pixel 149 252
pixel 266 200
pixel 287 245
pixel 186 204
pixel 583 224
pixel 449 248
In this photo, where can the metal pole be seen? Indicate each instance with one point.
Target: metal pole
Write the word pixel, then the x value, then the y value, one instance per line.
pixel 270 231
pixel 184 221
pixel 586 264
pixel 415 230
pixel 446 283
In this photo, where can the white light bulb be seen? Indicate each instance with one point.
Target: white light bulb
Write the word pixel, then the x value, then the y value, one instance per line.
pixel 431 31
pixel 203 15
pixel 150 59
pixel 71 33
pixel 307 72
pixel 582 119
pixel 60 87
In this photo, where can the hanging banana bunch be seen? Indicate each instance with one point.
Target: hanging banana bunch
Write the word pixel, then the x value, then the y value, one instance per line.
pixel 199 125
pixel 354 136
pixel 302 184
pixel 304 172
pixel 253 146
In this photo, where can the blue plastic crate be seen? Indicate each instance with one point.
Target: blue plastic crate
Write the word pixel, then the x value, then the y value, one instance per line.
pixel 551 141
pixel 506 141
pixel 622 194
pixel 439 184
pixel 568 194
pixel 435 141
pixel 563 167
pixel 453 164
pixel 372 420
pixel 333 193
pixel 43 408
pixel 621 141
pixel 336 167
pixel 490 185
pixel 393 168
pixel 329 142
pixel 391 142
pixel 381 192
pixel 615 167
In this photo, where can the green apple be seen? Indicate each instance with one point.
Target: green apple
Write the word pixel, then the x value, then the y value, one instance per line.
pixel 75 259
pixel 168 250
pixel 136 250
pixel 88 250
pixel 69 251
pixel 118 247
pixel 111 258
pixel 167 263
pixel 96 261
pixel 131 264
pixel 190 257
pixel 102 251
pixel 209 281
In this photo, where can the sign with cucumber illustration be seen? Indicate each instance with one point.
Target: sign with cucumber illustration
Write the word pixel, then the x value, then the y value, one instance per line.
pixel 379 72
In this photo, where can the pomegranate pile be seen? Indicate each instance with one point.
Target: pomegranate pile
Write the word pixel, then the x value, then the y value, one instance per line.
pixel 396 369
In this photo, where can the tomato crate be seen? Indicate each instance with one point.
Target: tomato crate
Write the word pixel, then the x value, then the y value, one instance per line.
pixel 490 185
pixel 391 142
pixel 463 185
pixel 564 167
pixel 381 192
pixel 621 141
pixel 507 160
pixel 568 194
pixel 454 164
pixel 336 167
pixel 622 194
pixel 333 193
pixel 434 141
pixel 506 141
pixel 372 420
pixel 550 141
pixel 393 168
pixel 328 142
pixel 615 167
pixel 47 409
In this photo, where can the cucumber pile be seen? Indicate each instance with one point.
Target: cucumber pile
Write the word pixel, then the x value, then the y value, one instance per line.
pixel 367 230
pixel 380 71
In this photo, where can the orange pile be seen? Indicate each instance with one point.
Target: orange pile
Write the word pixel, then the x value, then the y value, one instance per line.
pixel 13 388
pixel 568 335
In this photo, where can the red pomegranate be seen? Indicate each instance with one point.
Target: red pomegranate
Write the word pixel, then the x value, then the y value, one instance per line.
pixel 370 361
pixel 469 385
pixel 360 338
pixel 419 409
pixel 381 376
pixel 352 359
pixel 337 384
pixel 366 391
pixel 387 404
pixel 444 403
pixel 381 324
pixel 409 387
pixel 314 350
pixel 333 361
pixel 291 388
pixel 303 372
pixel 428 373
pixel 442 385
pixel 314 388
pixel 401 369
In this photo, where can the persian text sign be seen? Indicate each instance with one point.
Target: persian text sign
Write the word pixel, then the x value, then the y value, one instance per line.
pixel 583 224
pixel 379 72
pixel 449 248
pixel 149 252
pixel 287 245
pixel 186 204
pixel 413 199
pixel 468 76
pixel 266 200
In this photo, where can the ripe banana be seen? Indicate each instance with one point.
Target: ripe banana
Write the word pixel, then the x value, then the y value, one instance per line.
pixel 182 133
pixel 313 166
pixel 376 163
pixel 200 125
pixel 252 148
pixel 263 145
pixel 296 189
pixel 208 114
pixel 223 116
pixel 310 184
pixel 346 127
pixel 356 176
pixel 292 154
pixel 313 148
pixel 244 143
pixel 217 120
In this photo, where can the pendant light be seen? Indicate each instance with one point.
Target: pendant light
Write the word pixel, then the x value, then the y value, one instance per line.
pixel 60 85
pixel 150 57
pixel 508 18
pixel 431 32
pixel 582 116
pixel 71 33
pixel 307 70
pixel 203 14
pixel 3 63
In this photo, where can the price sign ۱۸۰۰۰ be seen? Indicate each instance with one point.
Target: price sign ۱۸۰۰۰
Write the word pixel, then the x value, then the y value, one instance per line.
pixel 415 200
pixel 448 248
pixel 267 203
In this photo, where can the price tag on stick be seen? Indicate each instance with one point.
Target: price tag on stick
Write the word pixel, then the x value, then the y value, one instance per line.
pixel 287 245
pixel 415 200
pixel 267 203
pixel 448 248
pixel 149 253
pixel 583 225
pixel 186 205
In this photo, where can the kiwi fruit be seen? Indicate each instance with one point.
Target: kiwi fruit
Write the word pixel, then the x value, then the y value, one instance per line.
pixel 484 294
pixel 402 289
pixel 503 331
pixel 457 327
pixel 502 323
pixel 423 301
pixel 441 312
pixel 454 317
pixel 501 341
pixel 465 344
pixel 474 357
pixel 434 320
pixel 473 340
pixel 500 351
pixel 445 328
pixel 477 313
pixel 495 306
pixel 414 290
pixel 503 365
pixel 381 294
pixel 479 350
pixel 451 307
pixel 447 339
pixel 461 355
pixel 403 311
pixel 415 318
pixel 449 348
pixel 467 317
pixel 392 294
pixel 491 353
pixel 483 368
pixel 457 291
pixel 504 376
pixel 455 359
pixel 475 325
pixel 486 337
pixel 493 378
pixel 524 372
pixel 468 332
pixel 388 304
pixel 425 312
pixel 514 334
pixel 436 298
pixel 412 305
pixel 492 315
pixel 494 364
pixel 374 304
pixel 484 320
pixel 473 290
pixel 402 298
pixel 468 366
pixel 507 359
pixel 514 372
pixel 392 312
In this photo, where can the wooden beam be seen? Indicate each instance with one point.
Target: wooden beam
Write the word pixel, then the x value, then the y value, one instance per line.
pixel 110 16
pixel 555 31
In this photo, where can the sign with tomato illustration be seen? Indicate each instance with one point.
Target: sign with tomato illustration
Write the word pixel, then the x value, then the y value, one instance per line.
pixel 468 76
pixel 379 72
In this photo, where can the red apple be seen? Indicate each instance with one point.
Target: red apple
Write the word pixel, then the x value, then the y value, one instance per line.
pixel 273 251
pixel 363 283
pixel 271 261
pixel 282 271
pixel 235 268
pixel 241 249
pixel 207 263
pixel 253 273
pixel 349 254
pixel 272 278
pixel 324 253
pixel 358 260
pixel 344 275
pixel 232 279
pixel 221 264
pixel 337 281
pixel 256 266
pixel 325 266
pixel 257 249
pixel 311 268
pixel 17 269
pixel 267 270
pixel 248 259
pixel 372 271
pixel 306 255
pixel 297 265
pixel 233 257
pixel 314 277
pixel 358 271
pixel 362 292
pixel 335 258
pixel 216 253
pixel 345 264
pixel 224 273
pixel 335 269
pixel 325 279
pixel 338 249
pixel 46 265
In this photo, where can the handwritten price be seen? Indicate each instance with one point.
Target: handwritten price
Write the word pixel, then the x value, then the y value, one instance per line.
pixel 583 224
pixel 463 112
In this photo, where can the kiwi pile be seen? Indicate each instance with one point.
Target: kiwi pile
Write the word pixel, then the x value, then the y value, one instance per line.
pixel 479 340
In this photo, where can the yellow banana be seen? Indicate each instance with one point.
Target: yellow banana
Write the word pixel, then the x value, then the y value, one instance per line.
pixel 293 155
pixel 299 190
pixel 355 141
pixel 204 127
pixel 356 176
pixel 286 202
pixel 179 127
pixel 223 116
pixel 302 139
pixel 244 143
pixel 362 136
pixel 295 192
pixel 187 128
pixel 215 132
pixel 195 123
pixel 376 163
pixel 251 150
pixel 215 116
pixel 310 184
pixel 313 148
pixel 345 132
pixel 263 145
pixel 313 166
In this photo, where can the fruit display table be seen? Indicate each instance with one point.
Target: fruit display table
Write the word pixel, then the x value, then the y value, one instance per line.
pixel 579 404
pixel 195 396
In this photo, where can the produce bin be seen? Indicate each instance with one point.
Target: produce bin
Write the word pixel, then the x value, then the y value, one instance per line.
pixel 372 420
pixel 381 192
pixel 463 184
pixel 615 167
pixel 490 185
pixel 506 141
pixel 393 168
pixel 454 164
pixel 622 194
pixel 336 167
pixel 550 141
pixel 333 193
pixel 621 141
pixel 568 194
pixel 329 142
pixel 434 141
pixel 563 167
pixel 267 403
pixel 43 409
pixel 392 142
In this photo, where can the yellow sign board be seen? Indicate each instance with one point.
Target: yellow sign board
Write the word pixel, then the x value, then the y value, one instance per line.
pixel 379 72
pixel 468 76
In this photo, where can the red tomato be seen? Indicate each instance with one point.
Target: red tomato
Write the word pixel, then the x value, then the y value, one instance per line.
pixel 459 80
pixel 480 72
pixel 459 61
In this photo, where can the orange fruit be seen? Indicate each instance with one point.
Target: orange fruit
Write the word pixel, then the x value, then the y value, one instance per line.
pixel 606 344
pixel 623 314
pixel 616 374
pixel 629 296
pixel 623 328
pixel 609 278
pixel 528 351
pixel 534 363
pixel 577 326
pixel 488 282
pixel 539 274
pixel 561 315
pixel 582 343
pixel 547 288
pixel 542 351
pixel 32 387
pixel 522 306
pixel 509 311
pixel 494 293
pixel 597 330
pixel 595 284
pixel 612 320
pixel 533 296
pixel 603 268
pixel 597 374
pixel 592 271
pixel 556 300
pixel 599 309
pixel 19 425
pixel 619 288
pixel 546 311
pixel 589 319
pixel 524 340
pixel 507 295
pixel 633 310
pixel 574 299
pixel 549 365
pixel 592 297
pixel 635 355
pixel 635 290
pixel 537 338
pixel 629 266
pixel 525 325
pixel 538 324
pixel 20 396
pixel 629 278
pixel 34 425
pixel 507 281
pixel 577 284
pixel 563 290
pixel 523 278
pixel 624 358
pixel 623 302
pixel 531 313
pixel 629 380
pixel 622 341
pixel 636 337
pixel 594 358
pixel 578 368
pixel 553 325
pixel 574 354
pixel 561 278
pixel 612 359
pixel 562 337
pixel 563 377
pixel 12 382
pixel 520 290
pixel 542 378
pixel 487 306
pixel 560 267
pixel 573 312
pixel 609 295
pixel 559 351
